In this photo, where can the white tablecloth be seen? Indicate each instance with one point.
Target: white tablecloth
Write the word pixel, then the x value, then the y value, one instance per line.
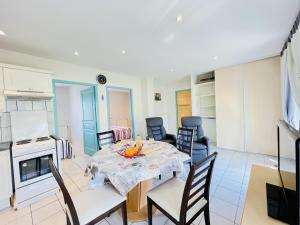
pixel 126 173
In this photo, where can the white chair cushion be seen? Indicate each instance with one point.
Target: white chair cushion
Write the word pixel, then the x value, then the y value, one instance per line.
pixel 93 203
pixel 169 196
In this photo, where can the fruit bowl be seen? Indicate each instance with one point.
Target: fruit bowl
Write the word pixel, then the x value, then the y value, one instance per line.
pixel 131 152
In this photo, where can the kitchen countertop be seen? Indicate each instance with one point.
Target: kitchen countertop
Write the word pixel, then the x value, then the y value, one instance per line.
pixel 5 146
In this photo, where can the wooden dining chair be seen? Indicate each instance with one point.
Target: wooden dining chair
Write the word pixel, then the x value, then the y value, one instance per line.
pixel 106 138
pixel 184 143
pixel 92 206
pixel 182 202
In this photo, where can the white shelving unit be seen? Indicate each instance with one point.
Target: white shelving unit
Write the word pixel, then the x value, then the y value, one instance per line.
pixel 205 99
pixel 204 104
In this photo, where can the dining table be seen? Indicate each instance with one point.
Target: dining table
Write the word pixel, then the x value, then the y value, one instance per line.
pixel 133 177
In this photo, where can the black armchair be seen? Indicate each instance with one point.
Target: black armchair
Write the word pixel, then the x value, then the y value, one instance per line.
pixel 156 130
pixel 201 143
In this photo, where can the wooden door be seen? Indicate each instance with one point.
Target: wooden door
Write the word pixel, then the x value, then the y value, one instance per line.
pixel 184 105
pixel 89 121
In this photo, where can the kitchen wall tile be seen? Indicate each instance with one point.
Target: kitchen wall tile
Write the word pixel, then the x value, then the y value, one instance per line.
pixel 2 103
pixel 6 134
pixel 39 105
pixel 11 105
pixel 51 128
pixel 5 120
pixel 49 105
pixel 24 105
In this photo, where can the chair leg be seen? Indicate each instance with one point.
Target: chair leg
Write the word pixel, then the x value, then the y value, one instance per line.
pixel 149 206
pixel 68 220
pixel 124 213
pixel 206 215
pixel 159 177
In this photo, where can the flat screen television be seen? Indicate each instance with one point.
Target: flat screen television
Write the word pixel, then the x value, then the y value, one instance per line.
pixel 283 200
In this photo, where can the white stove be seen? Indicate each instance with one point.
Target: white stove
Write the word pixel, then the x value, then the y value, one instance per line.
pixel 29 146
pixel 31 151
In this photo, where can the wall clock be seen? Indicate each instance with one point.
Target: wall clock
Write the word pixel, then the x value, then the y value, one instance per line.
pixel 101 79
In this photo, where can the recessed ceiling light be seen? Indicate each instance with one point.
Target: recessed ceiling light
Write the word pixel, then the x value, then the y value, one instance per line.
pixel 179 18
pixel 172 70
pixel 123 52
pixel 2 33
pixel 215 57
pixel 76 53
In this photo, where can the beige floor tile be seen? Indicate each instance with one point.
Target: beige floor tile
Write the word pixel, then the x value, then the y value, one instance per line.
pixel 61 199
pixel 67 180
pixel 45 212
pixel 74 190
pixel 57 219
pixel 43 202
pixel 10 214
pixel 72 169
pixel 25 220
pixel 82 182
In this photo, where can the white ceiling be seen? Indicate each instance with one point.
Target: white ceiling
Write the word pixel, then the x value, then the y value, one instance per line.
pixel 156 45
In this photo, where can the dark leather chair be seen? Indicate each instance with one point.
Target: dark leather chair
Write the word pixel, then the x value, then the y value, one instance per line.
pixel 201 143
pixel 156 130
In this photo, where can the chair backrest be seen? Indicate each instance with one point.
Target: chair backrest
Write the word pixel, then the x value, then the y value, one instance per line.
pixel 197 187
pixel 66 195
pixel 195 123
pixel 155 128
pixel 185 139
pixel 106 138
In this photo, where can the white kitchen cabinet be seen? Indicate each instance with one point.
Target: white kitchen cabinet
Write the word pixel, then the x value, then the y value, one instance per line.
pixel 6 177
pixel 23 80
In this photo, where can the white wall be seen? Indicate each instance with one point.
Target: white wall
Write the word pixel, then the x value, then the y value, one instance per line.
pixel 167 106
pixel 71 72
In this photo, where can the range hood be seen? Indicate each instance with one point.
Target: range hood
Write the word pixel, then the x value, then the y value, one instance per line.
pixel 27 94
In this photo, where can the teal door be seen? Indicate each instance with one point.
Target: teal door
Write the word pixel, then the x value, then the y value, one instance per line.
pixel 89 121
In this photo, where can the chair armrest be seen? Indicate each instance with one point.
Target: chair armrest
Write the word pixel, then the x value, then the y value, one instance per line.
pixel 204 140
pixel 171 137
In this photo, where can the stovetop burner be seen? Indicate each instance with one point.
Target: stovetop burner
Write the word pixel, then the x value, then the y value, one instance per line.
pixel 42 139
pixel 27 141
pixel 22 142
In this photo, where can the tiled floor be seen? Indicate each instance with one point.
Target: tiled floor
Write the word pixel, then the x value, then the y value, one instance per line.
pixel 228 193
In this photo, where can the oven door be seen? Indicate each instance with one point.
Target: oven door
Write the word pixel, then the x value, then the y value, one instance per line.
pixel 33 167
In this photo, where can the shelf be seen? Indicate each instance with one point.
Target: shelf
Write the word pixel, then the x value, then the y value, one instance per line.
pixel 208 117
pixel 206 83
pixel 205 96
pixel 208 106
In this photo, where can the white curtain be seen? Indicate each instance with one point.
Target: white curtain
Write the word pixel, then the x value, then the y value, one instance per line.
pixel 284 86
pixel 290 70
pixel 294 66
